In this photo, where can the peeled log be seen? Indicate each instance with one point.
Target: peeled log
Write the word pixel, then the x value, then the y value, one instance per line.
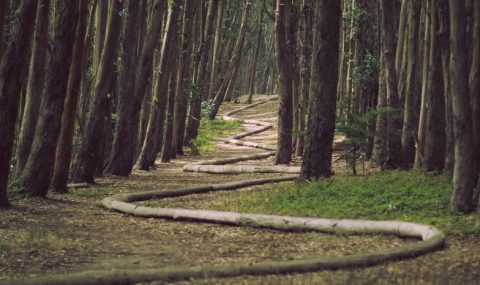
pixel 236 169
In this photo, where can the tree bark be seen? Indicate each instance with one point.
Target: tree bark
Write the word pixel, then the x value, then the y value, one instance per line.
pixel 15 57
pixel 3 12
pixel 394 119
pixel 63 155
pixel 181 94
pixel 216 50
pixel 253 71
pixel 434 153
pixel 123 150
pixel 38 172
pixel 412 86
pixel 36 79
pixel 154 132
pixel 474 85
pixel 317 159
pixel 463 172
pixel 202 77
pixel 89 153
pixel 285 57
pixel 230 76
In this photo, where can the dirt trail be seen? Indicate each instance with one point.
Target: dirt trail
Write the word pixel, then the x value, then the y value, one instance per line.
pixel 71 233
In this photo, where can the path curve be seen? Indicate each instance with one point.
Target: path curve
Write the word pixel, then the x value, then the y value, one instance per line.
pixel 430 237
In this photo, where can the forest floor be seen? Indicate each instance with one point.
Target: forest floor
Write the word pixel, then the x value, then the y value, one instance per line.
pixel 72 232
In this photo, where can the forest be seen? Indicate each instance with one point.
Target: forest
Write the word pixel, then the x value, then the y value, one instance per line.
pixel 117 97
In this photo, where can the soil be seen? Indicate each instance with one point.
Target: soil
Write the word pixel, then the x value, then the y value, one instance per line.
pixel 72 232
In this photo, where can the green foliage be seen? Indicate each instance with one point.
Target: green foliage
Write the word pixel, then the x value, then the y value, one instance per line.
pixel 211 129
pixel 391 195
pixel 207 108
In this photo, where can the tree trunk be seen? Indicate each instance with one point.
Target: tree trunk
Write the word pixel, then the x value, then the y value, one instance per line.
pixel 38 172
pixel 380 148
pixel 230 76
pixel 167 152
pixel 422 121
pixel 474 85
pixel 216 51
pixel 253 71
pixel 63 153
pixel 181 94
pixel 201 78
pixel 3 13
pixel 119 162
pixel 412 86
pixel 15 57
pixel 284 55
pixel 91 144
pixel 394 119
pixel 434 153
pixel 36 79
pixel 123 150
pixel 463 172
pixel 154 132
pixel 317 159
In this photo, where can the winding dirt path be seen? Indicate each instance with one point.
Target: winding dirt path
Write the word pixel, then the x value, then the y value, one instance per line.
pixel 92 239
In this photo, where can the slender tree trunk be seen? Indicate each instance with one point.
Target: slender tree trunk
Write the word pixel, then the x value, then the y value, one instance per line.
pixel 154 132
pixel 380 148
pixel 63 153
pixel 201 78
pixel 420 151
pixel 304 68
pixel 216 50
pixel 230 76
pixel 36 78
pixel 92 140
pixel 38 172
pixel 167 152
pixel 412 86
pixel 181 94
pixel 15 57
pixel 284 55
pixel 121 156
pixel 317 159
pixel 434 157
pixel 474 84
pixel 463 172
pixel 3 12
pixel 253 71
pixel 394 120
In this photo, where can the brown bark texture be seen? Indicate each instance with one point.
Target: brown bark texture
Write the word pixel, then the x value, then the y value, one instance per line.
pixel 317 159
pixel 38 172
pixel 15 57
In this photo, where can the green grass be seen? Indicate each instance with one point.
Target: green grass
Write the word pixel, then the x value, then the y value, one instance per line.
pixel 92 192
pixel 211 129
pixel 393 195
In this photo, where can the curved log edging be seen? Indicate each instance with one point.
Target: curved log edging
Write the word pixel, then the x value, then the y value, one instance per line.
pixel 431 238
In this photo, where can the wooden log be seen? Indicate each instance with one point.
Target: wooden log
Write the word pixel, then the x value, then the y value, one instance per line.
pixel 237 169
pixel 222 161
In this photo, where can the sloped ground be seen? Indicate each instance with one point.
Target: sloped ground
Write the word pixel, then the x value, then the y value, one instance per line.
pixel 70 233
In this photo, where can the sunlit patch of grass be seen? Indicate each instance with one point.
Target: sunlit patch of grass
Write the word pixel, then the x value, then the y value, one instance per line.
pixel 212 129
pixel 92 192
pixel 393 195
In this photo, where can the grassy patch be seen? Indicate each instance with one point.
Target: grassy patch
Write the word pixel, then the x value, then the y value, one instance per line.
pixel 393 195
pixel 92 192
pixel 212 129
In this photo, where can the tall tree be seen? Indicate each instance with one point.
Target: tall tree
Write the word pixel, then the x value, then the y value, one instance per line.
pixel 89 153
pixel 155 126
pixel 253 71
pixel 475 86
pixel 233 64
pixel 317 157
pixel 216 50
pixel 38 172
pixel 412 88
pixel 63 155
pixel 3 14
pixel 434 152
pixel 36 78
pixel 181 94
pixel 463 171
pixel 387 8
pixel 15 57
pixel 285 58
pixel 121 156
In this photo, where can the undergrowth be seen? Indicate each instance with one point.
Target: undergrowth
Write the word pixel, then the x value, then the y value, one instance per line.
pixel 211 129
pixel 392 195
